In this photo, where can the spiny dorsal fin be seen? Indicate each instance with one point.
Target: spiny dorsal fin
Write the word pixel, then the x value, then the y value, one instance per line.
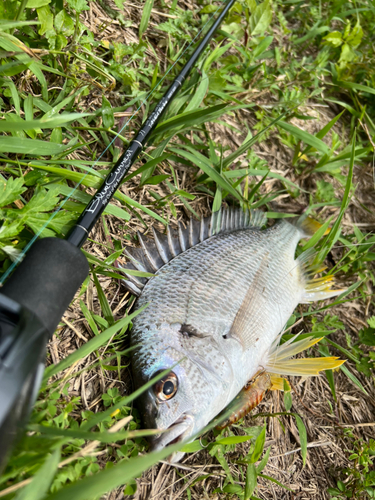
pixel 154 254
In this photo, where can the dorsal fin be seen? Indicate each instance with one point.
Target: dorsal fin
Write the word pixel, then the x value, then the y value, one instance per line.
pixel 154 254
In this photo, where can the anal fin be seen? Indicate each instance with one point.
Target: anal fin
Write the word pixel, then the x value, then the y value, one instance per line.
pixel 247 399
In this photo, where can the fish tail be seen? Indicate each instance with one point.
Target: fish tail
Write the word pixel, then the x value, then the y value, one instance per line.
pixel 308 226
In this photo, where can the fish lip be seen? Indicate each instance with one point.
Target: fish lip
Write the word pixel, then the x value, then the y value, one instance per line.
pixel 177 432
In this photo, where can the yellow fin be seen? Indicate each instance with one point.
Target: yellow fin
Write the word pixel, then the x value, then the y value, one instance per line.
pixel 317 288
pixel 306 367
pixel 277 382
pixel 279 360
pixel 309 226
pixel 289 349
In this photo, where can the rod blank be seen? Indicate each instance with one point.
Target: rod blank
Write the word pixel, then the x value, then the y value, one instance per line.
pixel 100 200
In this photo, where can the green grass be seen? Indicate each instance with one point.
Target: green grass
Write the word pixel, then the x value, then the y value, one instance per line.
pixel 63 88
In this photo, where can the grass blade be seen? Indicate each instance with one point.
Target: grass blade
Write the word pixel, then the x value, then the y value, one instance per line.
pixel 42 480
pixel 302 436
pixel 145 16
pixel 30 146
pixel 309 139
pixel 90 346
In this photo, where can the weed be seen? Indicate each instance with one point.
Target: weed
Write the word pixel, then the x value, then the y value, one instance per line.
pixel 65 84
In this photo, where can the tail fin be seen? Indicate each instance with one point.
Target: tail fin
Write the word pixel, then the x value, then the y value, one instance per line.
pixel 308 226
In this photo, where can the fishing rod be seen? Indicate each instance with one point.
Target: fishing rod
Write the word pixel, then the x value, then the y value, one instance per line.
pixel 35 297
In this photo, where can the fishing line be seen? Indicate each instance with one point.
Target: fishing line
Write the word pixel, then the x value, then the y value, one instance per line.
pixel 21 255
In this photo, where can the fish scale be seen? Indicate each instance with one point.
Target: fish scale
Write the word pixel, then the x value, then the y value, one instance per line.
pixel 213 312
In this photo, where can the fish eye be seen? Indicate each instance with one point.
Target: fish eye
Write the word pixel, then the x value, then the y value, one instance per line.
pixel 166 387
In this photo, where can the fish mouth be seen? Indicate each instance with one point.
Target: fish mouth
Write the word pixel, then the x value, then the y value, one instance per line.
pixel 178 432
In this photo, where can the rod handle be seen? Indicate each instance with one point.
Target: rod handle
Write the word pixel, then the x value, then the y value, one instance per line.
pixel 47 279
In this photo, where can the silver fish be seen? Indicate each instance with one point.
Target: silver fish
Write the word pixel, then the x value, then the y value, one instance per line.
pixel 222 292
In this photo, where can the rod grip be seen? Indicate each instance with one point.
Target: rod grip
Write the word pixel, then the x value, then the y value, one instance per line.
pixel 47 279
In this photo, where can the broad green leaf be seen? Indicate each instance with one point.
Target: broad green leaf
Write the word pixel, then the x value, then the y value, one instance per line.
pixel 252 4
pixel 233 439
pixel 251 481
pixel 261 18
pixel 199 94
pixel 355 37
pixel 30 146
pixel 78 5
pixel 259 446
pixel 263 45
pixel 367 335
pixel 107 113
pixel 45 17
pixel 287 396
pixel 334 38
pixel 192 447
pixel 10 190
pixel 264 460
pixel 302 437
pixel 347 55
pixel 64 23
pixel 155 180
pixel 35 4
pixel 60 222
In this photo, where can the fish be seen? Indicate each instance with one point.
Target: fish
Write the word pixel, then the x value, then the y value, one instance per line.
pixel 213 312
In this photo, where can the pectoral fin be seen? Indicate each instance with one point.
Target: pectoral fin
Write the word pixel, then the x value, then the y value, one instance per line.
pixel 252 305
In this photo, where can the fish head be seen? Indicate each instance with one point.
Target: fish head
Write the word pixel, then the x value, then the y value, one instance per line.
pixel 181 403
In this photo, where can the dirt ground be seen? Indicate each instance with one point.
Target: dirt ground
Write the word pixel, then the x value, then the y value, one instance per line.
pixel 312 398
